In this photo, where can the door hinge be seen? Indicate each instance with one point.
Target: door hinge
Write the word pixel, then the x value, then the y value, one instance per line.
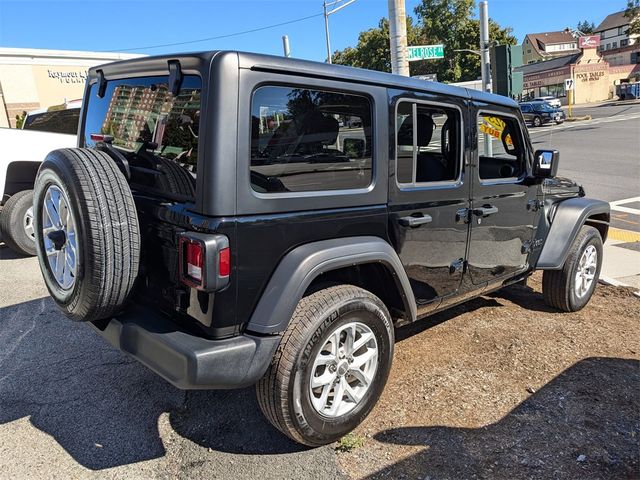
pixel 534 205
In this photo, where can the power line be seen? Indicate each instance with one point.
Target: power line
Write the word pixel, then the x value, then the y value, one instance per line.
pixel 244 32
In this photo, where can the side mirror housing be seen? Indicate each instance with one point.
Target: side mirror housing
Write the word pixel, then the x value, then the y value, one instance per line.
pixel 545 163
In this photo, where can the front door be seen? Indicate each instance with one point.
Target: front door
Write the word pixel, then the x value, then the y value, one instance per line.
pixel 429 196
pixel 503 211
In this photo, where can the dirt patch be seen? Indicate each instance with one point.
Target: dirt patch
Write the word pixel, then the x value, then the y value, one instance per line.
pixel 505 387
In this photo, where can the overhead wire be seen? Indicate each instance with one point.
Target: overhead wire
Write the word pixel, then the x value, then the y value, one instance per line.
pixel 218 37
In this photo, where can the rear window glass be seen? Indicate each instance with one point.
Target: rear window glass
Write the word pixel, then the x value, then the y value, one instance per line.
pixel 57 121
pixel 309 140
pixel 156 131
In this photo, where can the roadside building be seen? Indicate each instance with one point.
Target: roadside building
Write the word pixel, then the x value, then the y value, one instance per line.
pixel 36 78
pixel 541 47
pixel 594 78
pixel 617 46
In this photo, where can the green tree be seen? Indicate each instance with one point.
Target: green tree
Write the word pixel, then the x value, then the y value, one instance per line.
pixel 633 14
pixel 373 51
pixel 586 27
pixel 447 22
pixel 20 119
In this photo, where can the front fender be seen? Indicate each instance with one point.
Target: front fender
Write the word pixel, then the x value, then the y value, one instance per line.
pixel 570 215
pixel 303 264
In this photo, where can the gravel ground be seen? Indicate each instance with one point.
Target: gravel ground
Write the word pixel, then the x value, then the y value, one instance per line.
pixel 504 387
pixel 501 387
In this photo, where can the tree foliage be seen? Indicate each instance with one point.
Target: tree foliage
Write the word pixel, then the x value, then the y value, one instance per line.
pixel 633 14
pixel 20 119
pixel 447 22
pixel 586 27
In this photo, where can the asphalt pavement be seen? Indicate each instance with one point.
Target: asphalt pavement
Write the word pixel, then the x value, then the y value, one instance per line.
pixel 603 155
pixel 72 407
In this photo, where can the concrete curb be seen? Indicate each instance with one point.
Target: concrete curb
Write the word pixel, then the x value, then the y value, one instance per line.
pixel 616 283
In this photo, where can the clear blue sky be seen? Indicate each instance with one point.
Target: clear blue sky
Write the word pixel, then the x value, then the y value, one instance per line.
pixel 117 25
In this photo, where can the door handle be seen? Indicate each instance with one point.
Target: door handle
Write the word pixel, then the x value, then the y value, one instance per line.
pixel 411 221
pixel 485 211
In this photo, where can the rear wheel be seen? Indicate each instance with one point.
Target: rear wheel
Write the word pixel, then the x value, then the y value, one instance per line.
pixel 330 367
pixel 537 121
pixel 571 288
pixel 16 223
pixel 87 233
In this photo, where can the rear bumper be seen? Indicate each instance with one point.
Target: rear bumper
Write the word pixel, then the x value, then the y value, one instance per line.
pixel 185 360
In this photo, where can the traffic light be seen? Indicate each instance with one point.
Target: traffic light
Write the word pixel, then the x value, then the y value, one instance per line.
pixel 504 59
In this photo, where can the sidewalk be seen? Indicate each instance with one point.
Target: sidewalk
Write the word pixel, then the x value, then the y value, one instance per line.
pixel 621 264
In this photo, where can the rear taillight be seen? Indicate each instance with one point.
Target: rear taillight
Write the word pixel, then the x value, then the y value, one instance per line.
pixel 224 262
pixel 205 261
pixel 194 256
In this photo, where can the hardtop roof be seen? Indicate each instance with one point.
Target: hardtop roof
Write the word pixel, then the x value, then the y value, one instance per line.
pixel 285 65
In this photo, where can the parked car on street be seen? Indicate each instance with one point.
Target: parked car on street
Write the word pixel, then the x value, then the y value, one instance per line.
pixel 553 101
pixel 22 153
pixel 219 225
pixel 541 113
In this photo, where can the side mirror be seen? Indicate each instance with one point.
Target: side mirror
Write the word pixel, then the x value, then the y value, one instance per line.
pixel 545 163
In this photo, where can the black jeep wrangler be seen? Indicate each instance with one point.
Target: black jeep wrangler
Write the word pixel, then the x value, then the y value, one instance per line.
pixel 232 219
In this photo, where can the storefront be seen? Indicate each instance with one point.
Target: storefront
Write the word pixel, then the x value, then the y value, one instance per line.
pixel 593 77
pixel 32 78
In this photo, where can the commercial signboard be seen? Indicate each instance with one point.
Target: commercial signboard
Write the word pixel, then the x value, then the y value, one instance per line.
pixel 591 41
pixel 425 52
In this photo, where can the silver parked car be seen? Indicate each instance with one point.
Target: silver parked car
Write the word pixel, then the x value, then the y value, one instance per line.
pixel 553 101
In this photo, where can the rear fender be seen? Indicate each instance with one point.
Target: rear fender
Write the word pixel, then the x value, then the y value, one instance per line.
pixel 302 265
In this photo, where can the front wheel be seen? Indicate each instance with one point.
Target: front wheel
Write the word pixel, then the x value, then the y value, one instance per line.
pixel 331 366
pixel 571 288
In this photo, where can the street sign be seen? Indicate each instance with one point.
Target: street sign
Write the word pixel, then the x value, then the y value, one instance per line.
pixel 591 41
pixel 425 52
pixel 568 84
pixel 429 77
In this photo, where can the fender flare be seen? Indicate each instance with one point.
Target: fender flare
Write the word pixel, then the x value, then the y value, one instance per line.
pixel 302 265
pixel 569 217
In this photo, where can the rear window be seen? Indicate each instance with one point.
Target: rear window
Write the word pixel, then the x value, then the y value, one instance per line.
pixel 58 121
pixel 309 140
pixel 156 131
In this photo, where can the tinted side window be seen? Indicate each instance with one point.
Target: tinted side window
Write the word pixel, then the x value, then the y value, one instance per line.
pixel 500 146
pixel 309 140
pixel 525 108
pixel 427 143
pixel 58 121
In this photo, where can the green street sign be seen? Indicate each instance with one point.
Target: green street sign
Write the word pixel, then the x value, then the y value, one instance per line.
pixel 425 52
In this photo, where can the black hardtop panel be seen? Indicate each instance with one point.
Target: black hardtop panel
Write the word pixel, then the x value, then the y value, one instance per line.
pixel 273 63
pixel 155 65
pixel 199 60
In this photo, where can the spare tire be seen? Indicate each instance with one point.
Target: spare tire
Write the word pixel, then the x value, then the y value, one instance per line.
pixel 87 233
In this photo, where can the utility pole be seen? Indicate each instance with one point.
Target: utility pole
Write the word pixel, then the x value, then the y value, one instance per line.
pixel 326 30
pixel 398 37
pixel 328 12
pixel 285 46
pixel 485 61
pixel 484 47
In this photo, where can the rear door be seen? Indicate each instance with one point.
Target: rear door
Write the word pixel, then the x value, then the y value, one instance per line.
pixel 429 194
pixel 503 205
